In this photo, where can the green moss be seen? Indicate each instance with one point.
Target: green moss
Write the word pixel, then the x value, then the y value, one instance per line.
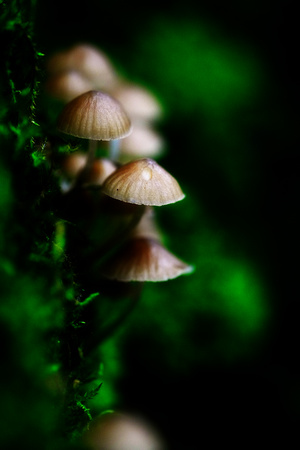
pixel 37 288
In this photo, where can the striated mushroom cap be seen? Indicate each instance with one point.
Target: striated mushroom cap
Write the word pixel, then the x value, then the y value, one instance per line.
pixel 144 259
pixel 143 182
pixel 94 115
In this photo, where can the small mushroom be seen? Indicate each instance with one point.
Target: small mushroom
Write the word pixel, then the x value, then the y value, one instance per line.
pixel 138 101
pixel 92 63
pixel 72 165
pixel 144 259
pixel 147 226
pixel 67 85
pixel 96 116
pixel 143 142
pixel 100 170
pixel 143 182
pixel 122 431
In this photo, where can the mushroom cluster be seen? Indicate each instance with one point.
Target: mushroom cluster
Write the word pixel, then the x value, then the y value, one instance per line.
pixel 110 184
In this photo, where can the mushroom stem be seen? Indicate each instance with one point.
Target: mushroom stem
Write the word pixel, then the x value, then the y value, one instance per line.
pixel 92 149
pixel 114 149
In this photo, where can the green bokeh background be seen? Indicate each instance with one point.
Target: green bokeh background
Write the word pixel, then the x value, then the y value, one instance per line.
pixel 215 352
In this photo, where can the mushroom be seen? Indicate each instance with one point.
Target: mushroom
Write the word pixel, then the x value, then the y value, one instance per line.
pixel 67 85
pixel 138 102
pixel 144 259
pixel 100 170
pixel 143 182
pixel 95 116
pixel 89 61
pixel 143 142
pixel 71 166
pixel 122 431
pixel 146 227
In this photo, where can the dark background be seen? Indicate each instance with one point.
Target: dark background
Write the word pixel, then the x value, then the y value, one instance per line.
pixel 201 378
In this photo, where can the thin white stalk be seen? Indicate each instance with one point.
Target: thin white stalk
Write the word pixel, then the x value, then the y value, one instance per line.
pixel 114 149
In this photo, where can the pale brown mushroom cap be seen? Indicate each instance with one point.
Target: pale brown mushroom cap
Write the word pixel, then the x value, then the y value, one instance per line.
pixel 143 142
pixel 72 164
pixel 100 169
pixel 147 226
pixel 122 431
pixel 67 85
pixel 143 182
pixel 90 61
pixel 94 115
pixel 144 259
pixel 137 101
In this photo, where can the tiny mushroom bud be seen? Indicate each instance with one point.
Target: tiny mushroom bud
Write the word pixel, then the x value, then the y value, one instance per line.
pixel 70 167
pixel 99 171
pixel 143 182
pixel 72 164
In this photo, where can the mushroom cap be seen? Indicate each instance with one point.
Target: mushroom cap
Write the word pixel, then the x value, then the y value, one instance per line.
pixel 90 61
pixel 100 169
pixel 144 141
pixel 144 259
pixel 147 226
pixel 94 115
pixel 138 101
pixel 67 85
pixel 72 164
pixel 72 167
pixel 122 431
pixel 143 182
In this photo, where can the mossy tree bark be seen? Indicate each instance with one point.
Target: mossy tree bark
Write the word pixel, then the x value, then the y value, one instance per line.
pixel 46 314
